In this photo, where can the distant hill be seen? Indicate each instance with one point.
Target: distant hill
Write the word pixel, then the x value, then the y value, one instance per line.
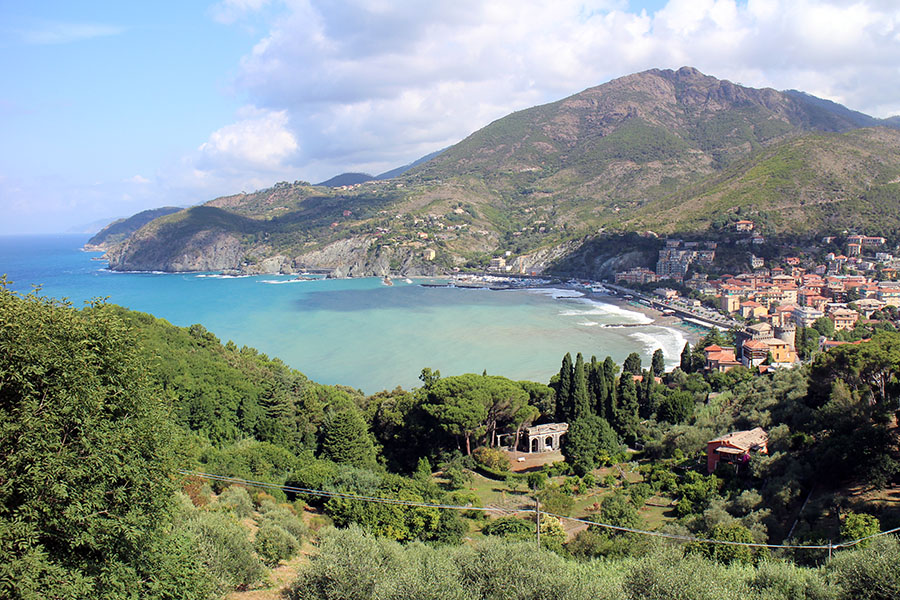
pixel 672 151
pixel 401 170
pixel 120 229
pixel 346 179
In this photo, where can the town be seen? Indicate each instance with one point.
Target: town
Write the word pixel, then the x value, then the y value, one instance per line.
pixel 767 306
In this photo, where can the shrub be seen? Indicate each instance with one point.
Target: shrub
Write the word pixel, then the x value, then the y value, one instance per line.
pixel 238 500
pixel 492 458
pixel 287 521
pixel 274 544
pixel 869 573
pixel 224 548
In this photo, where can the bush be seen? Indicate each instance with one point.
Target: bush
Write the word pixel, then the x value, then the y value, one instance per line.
pixel 492 458
pixel 536 481
pixel 287 521
pixel 274 544
pixel 223 546
pixel 869 573
pixel 510 527
pixel 238 500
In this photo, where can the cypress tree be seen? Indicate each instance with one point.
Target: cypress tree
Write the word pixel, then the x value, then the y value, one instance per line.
pixel 609 377
pixel 597 387
pixel 658 363
pixel 564 390
pixel 580 402
pixel 686 359
pixel 632 364
pixel 626 416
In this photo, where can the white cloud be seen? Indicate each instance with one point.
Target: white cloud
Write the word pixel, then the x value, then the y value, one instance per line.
pixel 138 179
pixel 260 140
pixel 64 33
pixel 370 83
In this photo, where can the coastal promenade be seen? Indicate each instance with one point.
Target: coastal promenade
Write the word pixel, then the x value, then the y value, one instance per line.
pixel 705 320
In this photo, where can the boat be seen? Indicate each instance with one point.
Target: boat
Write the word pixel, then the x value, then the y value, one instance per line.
pixel 408 280
pixel 387 281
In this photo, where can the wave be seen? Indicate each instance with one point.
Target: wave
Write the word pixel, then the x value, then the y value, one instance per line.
pixel 221 276
pixel 280 281
pixel 107 270
pixel 556 293
pixel 607 309
pixel 669 339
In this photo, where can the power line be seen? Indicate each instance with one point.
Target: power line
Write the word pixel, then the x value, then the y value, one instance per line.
pixel 536 510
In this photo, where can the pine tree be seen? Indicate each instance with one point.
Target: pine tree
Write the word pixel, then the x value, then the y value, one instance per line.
pixel 347 440
pixel 564 390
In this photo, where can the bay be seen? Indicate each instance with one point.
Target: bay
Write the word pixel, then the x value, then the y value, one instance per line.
pixel 357 332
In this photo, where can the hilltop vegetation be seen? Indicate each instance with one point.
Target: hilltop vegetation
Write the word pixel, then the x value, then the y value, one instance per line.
pixel 673 151
pixel 120 229
pixel 102 407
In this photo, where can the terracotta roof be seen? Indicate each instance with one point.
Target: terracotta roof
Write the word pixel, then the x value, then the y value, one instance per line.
pixel 745 440
pixel 759 345
pixel 713 348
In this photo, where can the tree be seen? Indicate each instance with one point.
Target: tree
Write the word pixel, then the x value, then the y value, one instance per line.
pixel 658 363
pixel 565 389
pixel 459 406
pixel 686 359
pixel 676 407
pixel 580 401
pixel 632 364
pixel 856 526
pixel 589 442
pixel 626 419
pixel 824 326
pixel 87 462
pixel 346 439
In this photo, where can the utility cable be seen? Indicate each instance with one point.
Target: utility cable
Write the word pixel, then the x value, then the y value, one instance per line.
pixel 414 504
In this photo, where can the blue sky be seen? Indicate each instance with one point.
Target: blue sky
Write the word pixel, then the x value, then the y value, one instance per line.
pixel 108 108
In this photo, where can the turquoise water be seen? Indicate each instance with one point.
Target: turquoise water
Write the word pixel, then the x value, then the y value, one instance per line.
pixel 356 332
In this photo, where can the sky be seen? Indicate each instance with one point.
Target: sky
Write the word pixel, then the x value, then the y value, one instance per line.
pixel 109 108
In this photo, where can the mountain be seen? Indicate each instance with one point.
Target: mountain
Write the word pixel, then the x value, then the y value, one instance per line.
pixel 347 179
pixel 401 170
pixel 120 229
pixel 669 150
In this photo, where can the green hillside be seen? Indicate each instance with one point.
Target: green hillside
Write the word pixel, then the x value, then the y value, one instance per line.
pixel 662 150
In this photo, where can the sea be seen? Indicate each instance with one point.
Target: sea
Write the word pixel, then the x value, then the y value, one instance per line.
pixel 357 332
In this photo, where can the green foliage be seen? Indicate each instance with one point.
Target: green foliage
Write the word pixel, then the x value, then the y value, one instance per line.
pixel 223 546
pixel 668 574
pixel 727 553
pixel 273 544
pixel 554 500
pixel 619 511
pixel 632 364
pixel 676 407
pixel 855 526
pixel 658 363
pixel 346 439
pixel 513 527
pixel 589 442
pixel 286 520
pixel 352 565
pixel 237 499
pixel 869 573
pixel 88 458
pixel 536 480
pixel 492 458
